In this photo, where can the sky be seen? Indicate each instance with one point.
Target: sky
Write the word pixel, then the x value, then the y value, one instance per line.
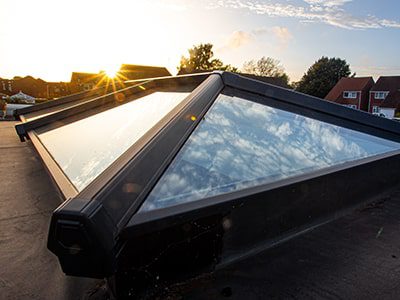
pixel 50 39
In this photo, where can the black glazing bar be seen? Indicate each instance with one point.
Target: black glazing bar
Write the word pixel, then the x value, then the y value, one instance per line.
pixel 310 102
pixel 144 170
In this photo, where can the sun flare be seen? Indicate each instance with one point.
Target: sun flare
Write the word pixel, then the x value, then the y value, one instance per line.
pixel 112 71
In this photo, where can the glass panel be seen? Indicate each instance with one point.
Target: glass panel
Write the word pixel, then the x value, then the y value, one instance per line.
pixel 85 148
pixel 241 144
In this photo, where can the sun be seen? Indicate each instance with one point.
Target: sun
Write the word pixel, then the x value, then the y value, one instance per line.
pixel 112 71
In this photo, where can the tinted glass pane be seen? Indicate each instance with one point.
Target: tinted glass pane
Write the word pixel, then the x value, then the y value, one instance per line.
pixel 85 148
pixel 242 144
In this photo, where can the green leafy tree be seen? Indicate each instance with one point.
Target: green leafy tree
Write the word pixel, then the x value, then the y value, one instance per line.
pixel 201 59
pixel 322 76
pixel 266 66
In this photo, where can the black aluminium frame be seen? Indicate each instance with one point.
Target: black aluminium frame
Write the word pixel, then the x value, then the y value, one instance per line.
pixel 92 234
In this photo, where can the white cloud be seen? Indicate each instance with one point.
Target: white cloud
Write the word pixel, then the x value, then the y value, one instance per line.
pixel 241 38
pixel 330 12
pixel 282 34
pixel 238 39
pixel 327 3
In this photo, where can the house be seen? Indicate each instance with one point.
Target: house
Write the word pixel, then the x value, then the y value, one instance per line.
pixel 352 92
pixel 132 72
pixel 6 86
pixel 35 87
pixel 84 81
pixel 57 89
pixel 384 97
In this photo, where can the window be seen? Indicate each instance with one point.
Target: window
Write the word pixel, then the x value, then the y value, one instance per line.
pixel 242 144
pixel 381 95
pixel 350 95
pixel 105 136
pixel 353 106
pixel 375 109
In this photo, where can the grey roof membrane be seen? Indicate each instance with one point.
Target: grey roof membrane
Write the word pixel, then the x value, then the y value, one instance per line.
pixel 27 199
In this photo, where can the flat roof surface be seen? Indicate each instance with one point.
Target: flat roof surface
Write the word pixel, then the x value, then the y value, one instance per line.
pixel 356 256
pixel 27 199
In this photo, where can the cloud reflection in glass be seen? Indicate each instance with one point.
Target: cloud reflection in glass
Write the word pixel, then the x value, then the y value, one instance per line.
pixel 242 144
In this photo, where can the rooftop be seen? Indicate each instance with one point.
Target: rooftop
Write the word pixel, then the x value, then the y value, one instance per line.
pixel 387 83
pixel 221 169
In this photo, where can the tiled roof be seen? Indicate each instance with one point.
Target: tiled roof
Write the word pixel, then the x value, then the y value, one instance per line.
pixel 348 84
pixel 387 83
pixel 392 85
pixel 392 100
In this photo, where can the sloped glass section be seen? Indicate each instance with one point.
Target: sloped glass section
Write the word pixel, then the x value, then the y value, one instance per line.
pixel 241 144
pixel 85 148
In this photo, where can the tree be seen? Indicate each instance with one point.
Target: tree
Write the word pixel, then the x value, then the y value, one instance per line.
pixel 201 59
pixel 322 76
pixel 266 66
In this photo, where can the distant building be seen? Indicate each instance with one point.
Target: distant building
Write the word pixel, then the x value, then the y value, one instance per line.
pixel 84 81
pixel 22 98
pixel 384 96
pixel 35 87
pixel 80 82
pixel 57 89
pixel 6 86
pixel 29 85
pixel 132 72
pixel 352 92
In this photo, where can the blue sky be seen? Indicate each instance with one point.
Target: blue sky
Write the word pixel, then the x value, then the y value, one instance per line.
pixel 53 38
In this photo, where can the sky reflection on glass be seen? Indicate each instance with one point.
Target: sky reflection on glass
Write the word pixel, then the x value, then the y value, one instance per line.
pixel 243 144
pixel 85 148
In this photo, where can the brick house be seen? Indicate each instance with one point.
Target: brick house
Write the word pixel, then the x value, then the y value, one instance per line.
pixel 384 97
pixel 57 89
pixel 352 92
pixel 84 81
pixel 6 86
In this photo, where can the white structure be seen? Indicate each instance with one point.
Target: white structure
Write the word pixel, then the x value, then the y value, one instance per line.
pixel 22 98
pixel 11 107
pixel 388 112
